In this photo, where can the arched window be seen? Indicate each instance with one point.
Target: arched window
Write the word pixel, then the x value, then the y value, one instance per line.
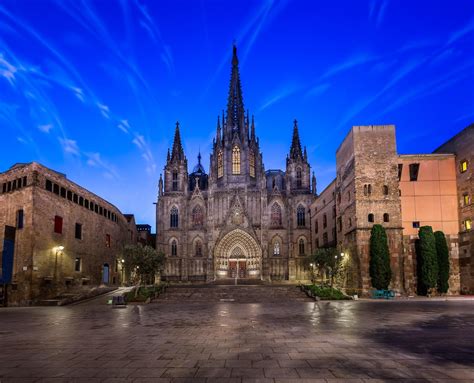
pixel 365 190
pixel 276 248
pixel 385 190
pixel 174 248
pixel 197 216
pixel 175 181
pixel 198 249
pixel 174 217
pixel 386 217
pixel 370 217
pixel 316 226
pixel 298 178
pixel 301 246
pixel 236 160
pixel 252 163
pixel 273 183
pixel 300 216
pixel 220 164
pixel 325 221
pixel 276 215
pixel 369 189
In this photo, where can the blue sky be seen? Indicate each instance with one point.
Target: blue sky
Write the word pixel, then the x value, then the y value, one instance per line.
pixel 94 88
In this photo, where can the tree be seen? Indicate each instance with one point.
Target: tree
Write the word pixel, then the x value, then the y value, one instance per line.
pixel 426 252
pixel 143 262
pixel 379 268
pixel 324 260
pixel 442 253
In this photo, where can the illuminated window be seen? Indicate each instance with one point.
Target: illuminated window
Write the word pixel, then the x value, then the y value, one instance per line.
pixel 174 217
pixel 174 248
pixel 276 215
pixel 197 216
pixel 463 166
pixel 300 216
pixel 107 240
pixel 468 224
pixel 276 248
pixel 236 160
pixel 301 246
pixel 252 163
pixel 465 198
pixel 220 164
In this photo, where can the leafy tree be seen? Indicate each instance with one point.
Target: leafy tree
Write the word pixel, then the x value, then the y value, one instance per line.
pixel 443 262
pixel 142 262
pixel 325 260
pixel 379 268
pixel 426 254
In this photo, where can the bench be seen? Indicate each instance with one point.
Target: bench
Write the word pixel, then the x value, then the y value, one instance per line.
pixel 383 294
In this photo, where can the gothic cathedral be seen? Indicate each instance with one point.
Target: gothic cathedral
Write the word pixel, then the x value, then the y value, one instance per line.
pixel 238 221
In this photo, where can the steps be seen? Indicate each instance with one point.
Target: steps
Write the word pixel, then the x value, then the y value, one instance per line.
pixel 237 294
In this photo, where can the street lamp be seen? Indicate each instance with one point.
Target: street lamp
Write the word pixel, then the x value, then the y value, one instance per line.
pixel 59 249
pixel 122 261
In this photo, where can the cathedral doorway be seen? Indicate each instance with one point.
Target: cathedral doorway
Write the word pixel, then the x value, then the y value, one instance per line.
pixel 237 255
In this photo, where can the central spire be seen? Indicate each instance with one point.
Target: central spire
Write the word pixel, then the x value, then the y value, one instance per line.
pixel 235 103
pixel 295 150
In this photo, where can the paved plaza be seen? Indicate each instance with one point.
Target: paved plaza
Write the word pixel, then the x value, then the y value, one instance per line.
pixel 196 341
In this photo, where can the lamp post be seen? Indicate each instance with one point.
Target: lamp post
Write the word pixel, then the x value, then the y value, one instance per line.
pixel 59 250
pixel 122 261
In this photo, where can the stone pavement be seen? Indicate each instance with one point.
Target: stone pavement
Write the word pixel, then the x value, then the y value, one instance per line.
pixel 285 342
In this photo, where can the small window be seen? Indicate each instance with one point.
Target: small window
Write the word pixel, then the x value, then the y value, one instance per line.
pixel 385 190
pixel 107 240
pixel 370 217
pixel 49 185
pixel 174 248
pixel 316 226
pixel 400 170
pixel 101 210
pixel 198 249
pixel 96 208
pixel 19 219
pixel 236 160
pixel 301 247
pixel 350 222
pixel 339 197
pixel 25 179
pixel 465 198
pixel 334 211
pixel 468 224
pixel 56 189
pixel 9 187
pixel 77 264
pixel 75 198
pixel 339 223
pixel 174 217
pixel 463 166
pixel 414 168
pixel 300 216
pixel 4 188
pixel 78 231
pixel 86 203
pixel 369 187
pixel 416 224
pixel 325 221
pixel 58 224
pixel 276 248
pixel 349 196
pixel 69 195
pixel 63 192
pixel 386 217
pixel 81 201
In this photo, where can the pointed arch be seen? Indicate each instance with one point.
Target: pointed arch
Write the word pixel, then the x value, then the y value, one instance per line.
pixel 174 217
pixel 197 216
pixel 236 160
pixel 300 216
pixel 299 178
pixel 174 247
pixel 275 215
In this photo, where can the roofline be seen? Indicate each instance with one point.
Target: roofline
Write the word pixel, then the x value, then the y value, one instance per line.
pixel 429 155
pixel 457 135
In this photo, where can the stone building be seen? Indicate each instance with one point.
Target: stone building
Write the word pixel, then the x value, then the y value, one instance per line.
pixel 56 236
pixel 239 220
pixel 462 146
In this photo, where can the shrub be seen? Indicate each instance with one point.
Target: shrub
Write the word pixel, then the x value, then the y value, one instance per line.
pixel 443 261
pixel 426 254
pixel 380 271
pixel 327 292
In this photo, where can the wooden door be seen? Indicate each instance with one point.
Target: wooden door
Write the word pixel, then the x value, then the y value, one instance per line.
pixel 242 269
pixel 232 273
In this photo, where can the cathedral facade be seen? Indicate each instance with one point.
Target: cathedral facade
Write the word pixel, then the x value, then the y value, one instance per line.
pixel 237 220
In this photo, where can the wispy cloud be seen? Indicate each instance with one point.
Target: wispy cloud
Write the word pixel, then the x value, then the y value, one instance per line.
pixel 69 146
pixel 146 152
pixel 7 70
pixel 124 126
pixel 45 128
pixel 95 160
pixel 461 32
pixel 104 110
pixel 279 94
pixel 377 10
pixel 349 63
pixel 317 90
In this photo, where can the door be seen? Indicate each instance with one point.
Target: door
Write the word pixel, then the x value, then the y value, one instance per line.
pixel 242 269
pixel 232 269
pixel 105 274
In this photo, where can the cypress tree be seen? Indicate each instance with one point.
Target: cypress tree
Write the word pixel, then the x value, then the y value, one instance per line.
pixel 429 261
pixel 443 261
pixel 380 271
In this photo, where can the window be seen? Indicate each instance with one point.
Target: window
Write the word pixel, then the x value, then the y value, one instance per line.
pixel 386 217
pixel 400 170
pixel 339 197
pixel 75 198
pixel 19 219
pixel 69 195
pixel 325 221
pixel 273 182
pixel 339 224
pixel 107 240
pixel 198 249
pixel 370 217
pixel 334 211
pixel 465 198
pixel 175 181
pixel 78 231
pixel 81 201
pixel 25 181
pixel 63 192
pixel 325 239
pixel 301 246
pixel 367 189
pixel 56 189
pixel 416 224
pixel 385 190
pixel 197 216
pixel 316 226
pixel 49 185
pixel 236 160
pixel 77 264
pixel 174 248
pixel 275 215
pixel 468 224
pixel 300 216
pixel 463 166
pixel 350 222
pixel 252 163
pixel 86 203
pixel 414 168
pixel 58 224
pixel 276 248
pixel 174 217
pixel 220 164
pixel 298 178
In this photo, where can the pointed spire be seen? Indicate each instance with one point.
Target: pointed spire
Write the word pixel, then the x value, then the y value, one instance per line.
pixel 168 156
pixel 160 185
pixel 313 184
pixel 199 157
pixel 235 103
pixel 305 154
pixel 218 131
pixel 295 150
pixel 177 153
pixel 252 130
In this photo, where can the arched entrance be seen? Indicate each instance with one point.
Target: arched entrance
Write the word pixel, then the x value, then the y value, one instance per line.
pixel 238 255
